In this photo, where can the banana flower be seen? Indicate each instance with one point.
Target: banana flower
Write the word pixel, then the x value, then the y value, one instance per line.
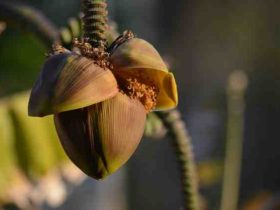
pixel 100 98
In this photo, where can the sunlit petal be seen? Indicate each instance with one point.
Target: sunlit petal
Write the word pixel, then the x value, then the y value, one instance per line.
pixel 69 82
pixel 137 58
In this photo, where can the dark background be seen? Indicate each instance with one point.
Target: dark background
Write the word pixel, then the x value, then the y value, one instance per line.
pixel 203 41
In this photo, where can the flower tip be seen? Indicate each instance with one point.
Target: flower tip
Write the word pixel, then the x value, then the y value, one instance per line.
pixel 101 138
pixel 173 94
pixel 168 95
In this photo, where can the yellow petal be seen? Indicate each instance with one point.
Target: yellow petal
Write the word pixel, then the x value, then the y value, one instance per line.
pixel 167 99
pixel 99 139
pixel 137 58
pixel 69 82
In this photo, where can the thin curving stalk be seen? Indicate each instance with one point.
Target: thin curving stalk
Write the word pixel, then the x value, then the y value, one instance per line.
pixel 30 18
pixel 183 148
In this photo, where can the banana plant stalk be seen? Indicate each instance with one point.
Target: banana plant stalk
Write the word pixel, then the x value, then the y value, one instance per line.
pixel 183 148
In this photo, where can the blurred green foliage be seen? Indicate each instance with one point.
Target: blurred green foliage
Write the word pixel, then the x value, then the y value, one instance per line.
pixel 21 57
pixel 22 53
pixel 8 163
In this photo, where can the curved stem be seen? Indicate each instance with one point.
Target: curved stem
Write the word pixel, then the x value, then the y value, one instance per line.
pixel 95 21
pixel 30 18
pixel 183 148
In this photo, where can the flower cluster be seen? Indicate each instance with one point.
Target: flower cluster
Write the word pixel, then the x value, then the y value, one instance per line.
pixel 100 98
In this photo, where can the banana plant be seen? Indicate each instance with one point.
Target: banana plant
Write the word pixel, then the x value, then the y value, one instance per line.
pixel 128 88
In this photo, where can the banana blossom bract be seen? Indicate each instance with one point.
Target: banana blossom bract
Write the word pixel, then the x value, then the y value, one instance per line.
pixel 100 100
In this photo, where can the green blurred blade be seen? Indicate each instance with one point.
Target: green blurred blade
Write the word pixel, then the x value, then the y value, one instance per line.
pixel 61 157
pixel 8 164
pixel 34 145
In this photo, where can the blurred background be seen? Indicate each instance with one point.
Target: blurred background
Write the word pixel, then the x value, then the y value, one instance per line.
pixel 203 42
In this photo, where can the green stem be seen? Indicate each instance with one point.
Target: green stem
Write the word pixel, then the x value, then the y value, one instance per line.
pixel 95 21
pixel 237 85
pixel 183 148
